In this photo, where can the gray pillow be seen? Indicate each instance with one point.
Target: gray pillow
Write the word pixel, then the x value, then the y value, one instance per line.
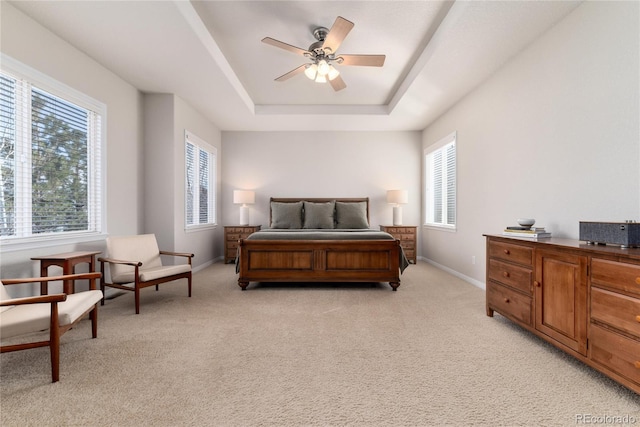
pixel 319 215
pixel 286 215
pixel 351 215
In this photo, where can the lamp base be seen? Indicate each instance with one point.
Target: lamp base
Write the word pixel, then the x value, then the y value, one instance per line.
pixel 397 215
pixel 244 215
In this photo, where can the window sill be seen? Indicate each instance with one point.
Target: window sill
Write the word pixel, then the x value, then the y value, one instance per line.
pixel 28 243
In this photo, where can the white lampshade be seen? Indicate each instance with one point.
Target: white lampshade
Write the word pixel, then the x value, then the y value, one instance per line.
pixel 244 197
pixel 398 196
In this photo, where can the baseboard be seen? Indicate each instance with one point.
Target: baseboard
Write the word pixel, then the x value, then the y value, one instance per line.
pixel 459 275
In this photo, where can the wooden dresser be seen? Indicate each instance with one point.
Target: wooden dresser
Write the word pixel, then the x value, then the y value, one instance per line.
pixel 584 299
pixel 407 235
pixel 233 233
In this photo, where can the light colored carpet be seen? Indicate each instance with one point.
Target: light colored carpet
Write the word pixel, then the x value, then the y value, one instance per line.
pixel 306 355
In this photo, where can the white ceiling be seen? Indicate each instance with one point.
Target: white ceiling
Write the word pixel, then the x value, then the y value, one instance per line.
pixel 210 54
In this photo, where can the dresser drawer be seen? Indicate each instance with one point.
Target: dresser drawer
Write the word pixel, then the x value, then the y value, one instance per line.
pixel 509 302
pixel 619 354
pixel 510 252
pixel 616 275
pixel 617 310
pixel 512 275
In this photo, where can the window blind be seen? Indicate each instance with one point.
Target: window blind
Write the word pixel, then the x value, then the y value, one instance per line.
pixel 51 168
pixel 440 183
pixel 200 182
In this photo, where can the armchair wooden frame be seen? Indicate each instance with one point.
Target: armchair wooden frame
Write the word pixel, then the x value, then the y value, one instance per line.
pixel 55 330
pixel 139 284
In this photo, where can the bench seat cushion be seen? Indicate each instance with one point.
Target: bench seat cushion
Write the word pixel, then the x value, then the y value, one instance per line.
pixel 28 318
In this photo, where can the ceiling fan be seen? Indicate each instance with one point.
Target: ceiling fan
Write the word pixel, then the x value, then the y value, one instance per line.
pixel 323 55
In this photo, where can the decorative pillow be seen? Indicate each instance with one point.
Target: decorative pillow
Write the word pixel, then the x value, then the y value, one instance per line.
pixel 351 215
pixel 319 215
pixel 286 215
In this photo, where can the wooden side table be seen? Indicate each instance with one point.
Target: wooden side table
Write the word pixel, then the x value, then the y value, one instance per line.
pixel 407 236
pixel 233 233
pixel 67 261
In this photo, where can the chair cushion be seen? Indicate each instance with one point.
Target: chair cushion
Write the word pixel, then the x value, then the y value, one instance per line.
pixel 140 248
pixel 148 274
pixel 28 318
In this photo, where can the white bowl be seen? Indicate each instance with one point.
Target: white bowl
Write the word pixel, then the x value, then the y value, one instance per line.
pixel 526 222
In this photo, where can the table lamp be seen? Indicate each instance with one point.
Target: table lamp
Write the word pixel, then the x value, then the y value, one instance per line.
pixel 244 197
pixel 397 197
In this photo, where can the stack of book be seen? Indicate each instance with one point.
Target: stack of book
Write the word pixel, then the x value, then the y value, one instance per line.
pixel 527 232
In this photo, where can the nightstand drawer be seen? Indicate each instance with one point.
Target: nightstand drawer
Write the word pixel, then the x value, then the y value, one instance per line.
pixel 232 234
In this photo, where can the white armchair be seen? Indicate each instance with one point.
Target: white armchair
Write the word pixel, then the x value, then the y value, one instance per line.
pixel 56 313
pixel 135 263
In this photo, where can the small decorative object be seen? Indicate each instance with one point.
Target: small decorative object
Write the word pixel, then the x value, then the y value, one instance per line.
pixel 526 222
pixel 397 197
pixel 245 197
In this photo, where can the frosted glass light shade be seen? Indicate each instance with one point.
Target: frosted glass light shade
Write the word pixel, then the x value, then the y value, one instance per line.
pixel 311 71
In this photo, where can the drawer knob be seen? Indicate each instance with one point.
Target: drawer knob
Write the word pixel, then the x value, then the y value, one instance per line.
pixel 637 364
pixel 506 300
pixel 506 251
pixel 638 318
pixel 536 283
pixel 637 280
pixel 505 273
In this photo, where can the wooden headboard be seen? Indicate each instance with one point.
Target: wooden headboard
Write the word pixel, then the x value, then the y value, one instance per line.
pixel 318 200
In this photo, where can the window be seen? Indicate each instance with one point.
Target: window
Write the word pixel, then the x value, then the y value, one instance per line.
pixel 200 191
pixel 50 160
pixel 440 183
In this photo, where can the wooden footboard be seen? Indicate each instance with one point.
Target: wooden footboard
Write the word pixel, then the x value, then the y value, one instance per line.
pixel 319 261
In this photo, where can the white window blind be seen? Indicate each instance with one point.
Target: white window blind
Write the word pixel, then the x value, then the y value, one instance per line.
pixel 440 183
pixel 50 163
pixel 200 182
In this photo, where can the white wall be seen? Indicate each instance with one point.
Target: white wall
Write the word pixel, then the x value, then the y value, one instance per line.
pixel 321 164
pixel 28 42
pixel 166 118
pixel 554 136
pixel 206 243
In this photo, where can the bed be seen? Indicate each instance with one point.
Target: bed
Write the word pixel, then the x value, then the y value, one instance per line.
pixel 319 240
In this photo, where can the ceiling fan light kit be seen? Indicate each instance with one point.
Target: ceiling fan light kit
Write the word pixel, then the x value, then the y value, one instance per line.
pixel 322 54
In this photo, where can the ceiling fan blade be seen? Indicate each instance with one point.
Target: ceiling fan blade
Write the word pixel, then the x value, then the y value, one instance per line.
pixel 365 60
pixel 337 83
pixel 291 73
pixel 285 46
pixel 337 33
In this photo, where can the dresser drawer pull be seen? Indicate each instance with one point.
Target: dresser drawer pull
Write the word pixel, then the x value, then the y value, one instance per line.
pixel 536 283
pixel 505 274
pixel 637 280
pixel 637 364
pixel 506 300
pixel 638 318
pixel 506 251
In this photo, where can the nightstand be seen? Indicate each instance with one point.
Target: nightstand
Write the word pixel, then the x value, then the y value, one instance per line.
pixel 233 233
pixel 407 236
